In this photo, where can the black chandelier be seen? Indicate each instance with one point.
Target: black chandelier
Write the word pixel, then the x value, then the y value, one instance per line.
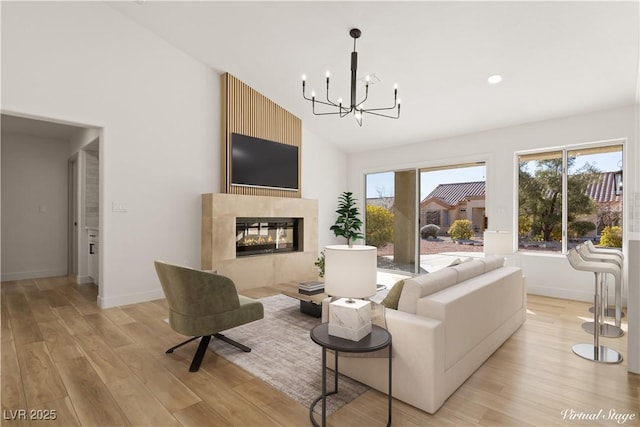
pixel 356 107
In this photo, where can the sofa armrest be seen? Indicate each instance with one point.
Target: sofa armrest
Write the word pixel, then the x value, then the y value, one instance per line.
pixel 418 345
pixel 418 361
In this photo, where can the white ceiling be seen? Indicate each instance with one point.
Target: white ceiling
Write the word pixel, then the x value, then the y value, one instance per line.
pixel 557 58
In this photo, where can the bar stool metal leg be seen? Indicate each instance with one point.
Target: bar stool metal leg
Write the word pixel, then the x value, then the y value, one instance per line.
pixel 606 330
pixel 596 352
pixel 612 311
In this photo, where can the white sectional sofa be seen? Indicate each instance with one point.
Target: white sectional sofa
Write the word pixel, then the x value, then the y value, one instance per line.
pixel 448 323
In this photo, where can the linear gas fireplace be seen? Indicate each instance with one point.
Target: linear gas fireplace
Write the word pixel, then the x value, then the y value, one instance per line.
pixel 256 236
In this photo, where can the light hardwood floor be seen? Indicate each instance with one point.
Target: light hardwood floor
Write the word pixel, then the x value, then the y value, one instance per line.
pixel 98 367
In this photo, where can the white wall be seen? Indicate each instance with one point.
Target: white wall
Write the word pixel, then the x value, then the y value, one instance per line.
pixel 159 110
pixel 324 177
pixel 159 114
pixel 546 274
pixel 34 207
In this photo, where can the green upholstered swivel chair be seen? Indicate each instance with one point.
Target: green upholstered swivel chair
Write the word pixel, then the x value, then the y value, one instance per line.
pixel 202 304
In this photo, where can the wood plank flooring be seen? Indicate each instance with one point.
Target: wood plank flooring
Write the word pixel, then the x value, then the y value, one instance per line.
pixel 62 355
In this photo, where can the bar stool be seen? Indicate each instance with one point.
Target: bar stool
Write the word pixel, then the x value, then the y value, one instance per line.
pixel 606 330
pixel 595 352
pixel 616 253
pixel 593 248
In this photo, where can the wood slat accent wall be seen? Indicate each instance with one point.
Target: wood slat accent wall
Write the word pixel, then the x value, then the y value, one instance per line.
pixel 247 112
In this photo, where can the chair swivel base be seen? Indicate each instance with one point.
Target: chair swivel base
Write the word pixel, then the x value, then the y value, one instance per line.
pixel 609 311
pixel 600 354
pixel 606 330
pixel 202 348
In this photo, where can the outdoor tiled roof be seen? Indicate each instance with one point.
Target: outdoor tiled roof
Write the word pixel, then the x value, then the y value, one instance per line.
pixel 604 190
pixel 452 194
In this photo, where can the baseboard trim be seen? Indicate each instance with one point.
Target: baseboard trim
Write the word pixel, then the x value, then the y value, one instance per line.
pixel 136 298
pixel 83 280
pixel 571 294
pixel 25 275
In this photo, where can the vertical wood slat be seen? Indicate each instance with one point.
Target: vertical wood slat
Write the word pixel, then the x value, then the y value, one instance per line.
pixel 247 112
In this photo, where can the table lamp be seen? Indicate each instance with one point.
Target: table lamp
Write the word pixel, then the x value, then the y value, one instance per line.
pixel 350 272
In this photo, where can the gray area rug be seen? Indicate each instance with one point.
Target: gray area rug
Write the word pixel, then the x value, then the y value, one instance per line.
pixel 283 355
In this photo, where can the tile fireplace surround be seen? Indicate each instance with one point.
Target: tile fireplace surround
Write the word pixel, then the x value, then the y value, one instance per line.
pixel 218 251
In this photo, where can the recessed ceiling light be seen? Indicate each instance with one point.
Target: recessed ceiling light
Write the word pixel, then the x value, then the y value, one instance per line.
pixel 494 79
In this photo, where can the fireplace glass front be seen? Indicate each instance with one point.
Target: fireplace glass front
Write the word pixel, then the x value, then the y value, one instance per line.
pixel 255 236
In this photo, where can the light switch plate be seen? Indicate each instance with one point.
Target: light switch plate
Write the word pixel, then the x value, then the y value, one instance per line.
pixel 119 207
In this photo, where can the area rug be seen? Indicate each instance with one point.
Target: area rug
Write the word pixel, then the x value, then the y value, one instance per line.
pixel 283 355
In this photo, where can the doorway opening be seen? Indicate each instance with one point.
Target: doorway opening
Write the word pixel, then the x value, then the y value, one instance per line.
pixel 43 197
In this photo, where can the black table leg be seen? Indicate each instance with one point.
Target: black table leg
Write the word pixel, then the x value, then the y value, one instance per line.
pixel 324 394
pixel 390 395
pixel 335 372
pixel 324 386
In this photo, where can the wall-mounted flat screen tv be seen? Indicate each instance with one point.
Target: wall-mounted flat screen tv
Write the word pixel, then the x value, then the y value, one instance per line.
pixel 258 162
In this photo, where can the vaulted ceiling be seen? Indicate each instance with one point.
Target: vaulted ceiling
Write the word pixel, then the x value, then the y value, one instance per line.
pixel 557 58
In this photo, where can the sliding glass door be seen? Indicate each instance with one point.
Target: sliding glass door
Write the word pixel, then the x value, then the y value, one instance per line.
pixel 390 220
pixel 452 209
pixel 414 215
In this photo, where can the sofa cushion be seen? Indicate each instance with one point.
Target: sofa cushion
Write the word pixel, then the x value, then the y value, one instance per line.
pixel 492 262
pixel 467 270
pixel 393 297
pixel 423 285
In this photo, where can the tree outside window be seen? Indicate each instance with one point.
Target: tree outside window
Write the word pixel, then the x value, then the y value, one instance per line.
pixel 558 209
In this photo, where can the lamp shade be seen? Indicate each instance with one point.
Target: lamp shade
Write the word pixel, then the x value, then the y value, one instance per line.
pixel 350 272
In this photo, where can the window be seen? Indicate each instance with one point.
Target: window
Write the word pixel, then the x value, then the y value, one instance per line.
pixel 568 196
pixel 432 217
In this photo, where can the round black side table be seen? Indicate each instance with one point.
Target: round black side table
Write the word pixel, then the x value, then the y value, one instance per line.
pixel 378 339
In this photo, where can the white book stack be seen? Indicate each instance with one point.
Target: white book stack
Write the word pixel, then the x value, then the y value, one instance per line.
pixel 311 288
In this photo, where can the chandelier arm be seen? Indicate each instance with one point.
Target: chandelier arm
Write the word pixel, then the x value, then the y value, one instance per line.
pixel 366 96
pixel 395 105
pixel 341 111
pixel 346 112
pixel 328 114
pixel 330 101
pixel 304 93
pixel 382 115
pixel 328 104
pixel 381 109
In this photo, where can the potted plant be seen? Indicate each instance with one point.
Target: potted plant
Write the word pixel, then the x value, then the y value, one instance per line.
pixel 348 223
pixel 320 264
